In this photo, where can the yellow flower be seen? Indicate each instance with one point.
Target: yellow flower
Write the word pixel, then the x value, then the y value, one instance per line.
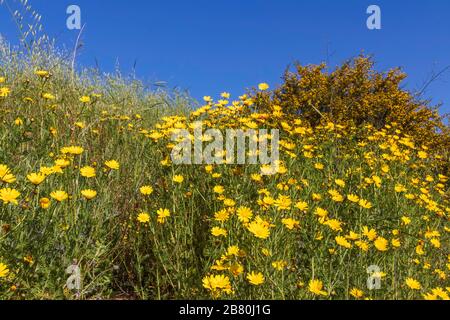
pixel 283 202
pixel 343 242
pixel 62 163
pixel 9 195
pixel 229 202
pixel 59 195
pixel 47 170
pixel 6 175
pixel 112 164
pixel 29 260
pixel 266 202
pixel 364 246
pixel 316 286
pixel 74 150
pixel 436 243
pixel 419 250
pixel 3 270
pixel 396 243
pixel 4 92
pixel 143 217
pixel 318 166
pixel 163 214
pixel 218 282
pixel 413 284
pixel 225 95
pixel 334 224
pixel 165 162
pixel 279 265
pixel 178 179
pixel 44 203
pixel 370 234
pixel 80 125
pixel 316 197
pixel 266 252
pixel 302 206
pixel 244 214
pixel 352 236
pixel 353 198
pixel 290 223
pixel 48 96
pixel 218 189
pixel 377 180
pixel 381 244
pixel 42 73
pixel 340 183
pixel 85 99
pixel 255 279
pixel 88 172
pixel 56 169
pixel 146 190
pixel 432 234
pixel 439 292
pixel 406 220
pixel 222 215
pixel 336 196
pixel 259 230
pixel 236 269
pixel 356 293
pixel 321 212
pixel 429 296
pixel 89 194
pixel 365 204
pixel 218 232
pixel 263 86
pixel 422 155
pixel 36 178
pixel 233 251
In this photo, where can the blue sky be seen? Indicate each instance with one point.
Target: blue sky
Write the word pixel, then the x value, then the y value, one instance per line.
pixel 207 47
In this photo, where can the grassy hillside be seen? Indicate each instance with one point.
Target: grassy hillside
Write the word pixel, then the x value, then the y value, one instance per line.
pixel 86 179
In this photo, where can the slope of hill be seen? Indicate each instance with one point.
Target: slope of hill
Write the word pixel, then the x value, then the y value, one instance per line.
pixel 89 186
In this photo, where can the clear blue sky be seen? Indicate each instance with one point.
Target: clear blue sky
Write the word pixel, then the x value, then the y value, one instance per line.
pixel 210 46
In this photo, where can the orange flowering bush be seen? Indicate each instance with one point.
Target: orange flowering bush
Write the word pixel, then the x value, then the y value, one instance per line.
pixel 356 94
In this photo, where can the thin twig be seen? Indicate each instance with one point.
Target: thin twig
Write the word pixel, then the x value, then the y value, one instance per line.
pixel 75 49
pixel 433 78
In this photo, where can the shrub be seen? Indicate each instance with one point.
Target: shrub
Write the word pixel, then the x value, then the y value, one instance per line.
pixel 355 93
